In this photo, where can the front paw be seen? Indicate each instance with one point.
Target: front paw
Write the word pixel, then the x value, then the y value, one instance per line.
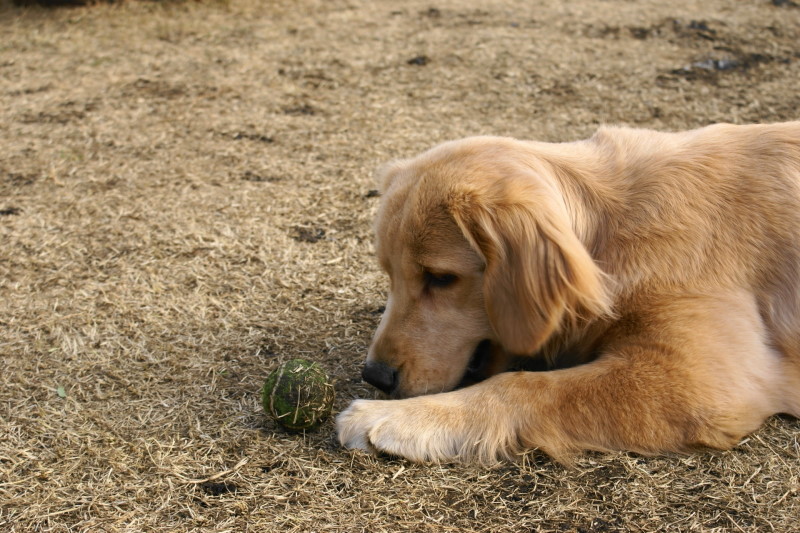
pixel 428 428
pixel 355 423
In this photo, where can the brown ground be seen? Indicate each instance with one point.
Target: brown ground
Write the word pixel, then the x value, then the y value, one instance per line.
pixel 185 202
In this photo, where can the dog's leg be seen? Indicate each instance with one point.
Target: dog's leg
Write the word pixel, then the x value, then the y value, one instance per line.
pixel 694 373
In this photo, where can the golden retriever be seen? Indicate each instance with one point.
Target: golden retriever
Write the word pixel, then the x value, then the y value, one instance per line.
pixel 657 275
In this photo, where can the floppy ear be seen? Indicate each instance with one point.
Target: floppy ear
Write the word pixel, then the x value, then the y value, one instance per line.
pixel 537 273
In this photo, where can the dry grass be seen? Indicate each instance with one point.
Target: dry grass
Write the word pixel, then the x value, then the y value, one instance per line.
pixel 184 202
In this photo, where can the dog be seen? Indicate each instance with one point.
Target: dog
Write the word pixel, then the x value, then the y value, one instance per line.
pixel 654 276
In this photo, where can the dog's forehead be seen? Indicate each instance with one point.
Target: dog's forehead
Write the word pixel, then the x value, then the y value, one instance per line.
pixel 414 222
pixel 419 195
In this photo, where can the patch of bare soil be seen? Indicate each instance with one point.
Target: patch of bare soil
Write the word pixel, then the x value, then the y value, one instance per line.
pixel 186 200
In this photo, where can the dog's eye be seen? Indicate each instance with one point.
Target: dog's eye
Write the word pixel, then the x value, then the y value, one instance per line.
pixel 439 280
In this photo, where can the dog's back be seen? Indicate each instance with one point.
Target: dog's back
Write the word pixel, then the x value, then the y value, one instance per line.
pixel 718 206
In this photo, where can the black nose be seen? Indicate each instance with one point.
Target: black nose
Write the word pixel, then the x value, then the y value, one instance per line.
pixel 380 376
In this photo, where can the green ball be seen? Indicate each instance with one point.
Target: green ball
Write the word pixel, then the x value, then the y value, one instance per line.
pixel 298 394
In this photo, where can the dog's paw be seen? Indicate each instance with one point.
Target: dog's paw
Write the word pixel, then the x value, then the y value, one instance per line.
pixel 407 428
pixel 354 424
pixel 429 428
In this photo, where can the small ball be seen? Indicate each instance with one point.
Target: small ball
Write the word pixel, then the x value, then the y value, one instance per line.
pixel 298 394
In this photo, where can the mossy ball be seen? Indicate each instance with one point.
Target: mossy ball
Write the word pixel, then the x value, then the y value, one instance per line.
pixel 298 394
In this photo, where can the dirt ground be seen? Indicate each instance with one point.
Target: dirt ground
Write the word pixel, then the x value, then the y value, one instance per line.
pixel 186 198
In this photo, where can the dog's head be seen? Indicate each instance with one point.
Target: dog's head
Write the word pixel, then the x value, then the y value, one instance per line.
pixel 482 260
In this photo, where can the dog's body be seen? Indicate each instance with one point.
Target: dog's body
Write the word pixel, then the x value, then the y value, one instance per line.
pixel 658 274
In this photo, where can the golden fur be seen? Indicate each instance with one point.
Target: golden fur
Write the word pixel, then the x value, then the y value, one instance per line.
pixel 658 274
